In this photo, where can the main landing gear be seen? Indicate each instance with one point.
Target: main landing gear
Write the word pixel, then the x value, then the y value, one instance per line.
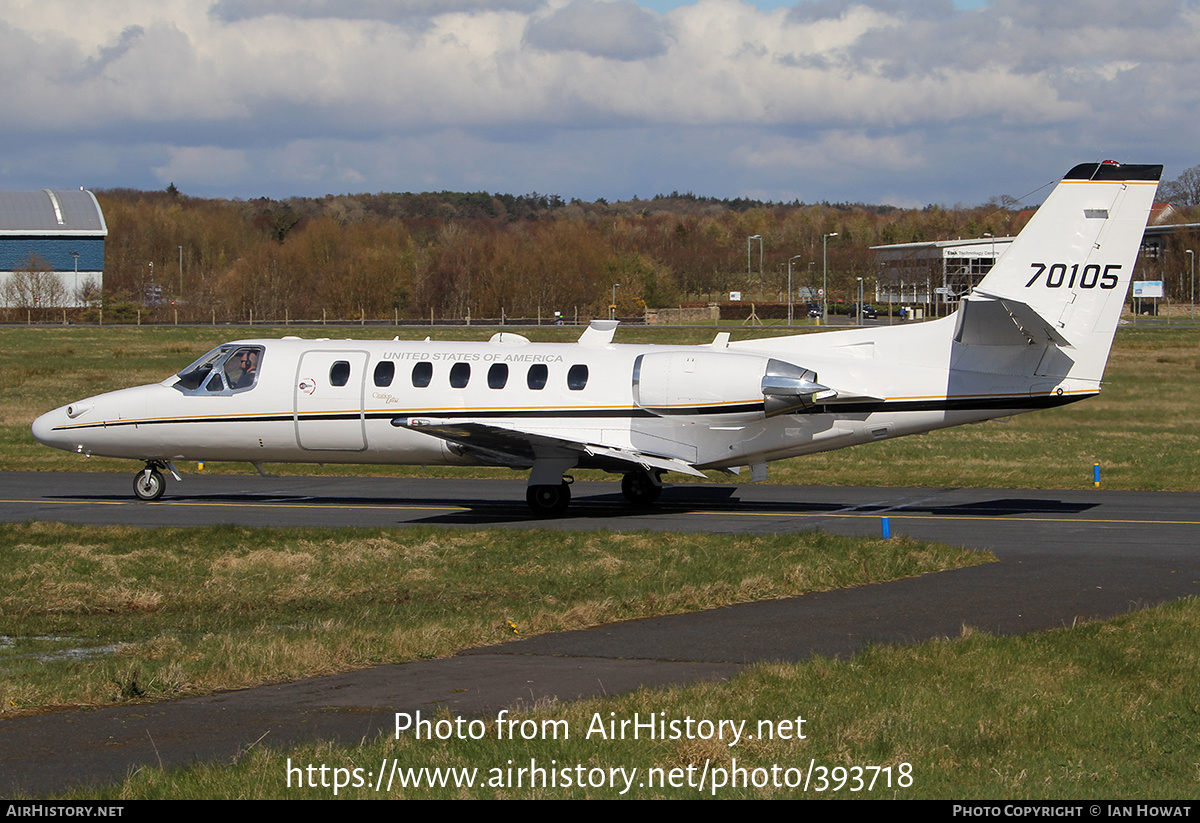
pixel 641 488
pixel 549 490
pixel 549 501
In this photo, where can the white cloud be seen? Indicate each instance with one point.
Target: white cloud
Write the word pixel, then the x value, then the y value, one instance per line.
pixel 394 10
pixel 710 96
pixel 844 151
pixel 617 29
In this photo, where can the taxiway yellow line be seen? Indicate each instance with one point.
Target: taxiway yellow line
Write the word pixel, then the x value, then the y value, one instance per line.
pixel 202 504
pixel 1005 518
pixel 892 514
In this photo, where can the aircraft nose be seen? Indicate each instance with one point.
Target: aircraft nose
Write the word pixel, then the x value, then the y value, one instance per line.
pixel 44 429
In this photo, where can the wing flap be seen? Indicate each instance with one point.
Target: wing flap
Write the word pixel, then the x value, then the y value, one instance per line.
pixel 646 461
pixel 513 446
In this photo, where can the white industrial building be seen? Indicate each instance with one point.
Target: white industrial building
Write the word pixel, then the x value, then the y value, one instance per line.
pixel 934 274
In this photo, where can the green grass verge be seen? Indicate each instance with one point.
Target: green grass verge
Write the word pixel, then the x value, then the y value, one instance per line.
pixel 99 615
pixel 1140 429
pixel 1104 710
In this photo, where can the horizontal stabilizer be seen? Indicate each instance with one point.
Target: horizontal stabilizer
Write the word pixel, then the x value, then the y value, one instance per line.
pixel 986 320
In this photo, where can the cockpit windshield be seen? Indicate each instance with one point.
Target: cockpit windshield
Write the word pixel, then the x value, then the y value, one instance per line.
pixel 227 369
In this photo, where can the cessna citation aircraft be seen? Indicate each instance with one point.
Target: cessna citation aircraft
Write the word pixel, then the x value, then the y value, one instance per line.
pixel 1035 333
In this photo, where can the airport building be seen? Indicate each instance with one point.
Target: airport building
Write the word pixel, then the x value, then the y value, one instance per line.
pixel 935 275
pixel 51 249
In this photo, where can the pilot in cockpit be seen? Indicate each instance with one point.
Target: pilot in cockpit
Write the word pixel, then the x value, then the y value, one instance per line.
pixel 247 361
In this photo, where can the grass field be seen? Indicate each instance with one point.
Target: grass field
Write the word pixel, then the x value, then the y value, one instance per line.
pixel 1100 711
pixel 1140 429
pixel 97 615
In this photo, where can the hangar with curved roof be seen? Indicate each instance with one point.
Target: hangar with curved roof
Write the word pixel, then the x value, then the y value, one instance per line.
pixel 51 249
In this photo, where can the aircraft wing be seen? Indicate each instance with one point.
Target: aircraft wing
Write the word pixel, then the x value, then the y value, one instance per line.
pixel 510 445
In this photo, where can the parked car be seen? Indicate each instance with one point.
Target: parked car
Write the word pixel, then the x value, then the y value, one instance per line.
pixel 868 311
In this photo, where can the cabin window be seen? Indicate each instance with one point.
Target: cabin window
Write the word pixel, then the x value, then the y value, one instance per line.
pixel 577 377
pixel 422 374
pixel 536 378
pixel 497 376
pixel 385 373
pixel 215 384
pixel 460 375
pixel 339 373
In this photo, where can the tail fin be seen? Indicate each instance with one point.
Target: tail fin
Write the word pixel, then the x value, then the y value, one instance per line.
pixel 1063 281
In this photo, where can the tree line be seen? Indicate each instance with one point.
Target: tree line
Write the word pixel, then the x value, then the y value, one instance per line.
pixel 449 254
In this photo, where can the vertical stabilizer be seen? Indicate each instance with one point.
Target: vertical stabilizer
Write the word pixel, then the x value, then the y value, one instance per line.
pixel 1063 281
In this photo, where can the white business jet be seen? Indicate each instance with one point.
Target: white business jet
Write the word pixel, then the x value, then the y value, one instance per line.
pixel 1034 334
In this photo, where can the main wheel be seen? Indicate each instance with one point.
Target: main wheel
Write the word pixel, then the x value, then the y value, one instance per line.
pixel 149 485
pixel 548 501
pixel 639 488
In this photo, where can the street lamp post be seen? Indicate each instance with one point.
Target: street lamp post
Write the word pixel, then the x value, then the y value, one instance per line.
pixel 993 237
pixel 75 257
pixel 825 277
pixel 860 300
pixel 759 238
pixel 790 259
pixel 1192 255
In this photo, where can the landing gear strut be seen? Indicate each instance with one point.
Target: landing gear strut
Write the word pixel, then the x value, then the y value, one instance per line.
pixel 641 488
pixel 148 484
pixel 548 501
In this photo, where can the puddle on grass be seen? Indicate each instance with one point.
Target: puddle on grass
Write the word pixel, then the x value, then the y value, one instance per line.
pixel 74 651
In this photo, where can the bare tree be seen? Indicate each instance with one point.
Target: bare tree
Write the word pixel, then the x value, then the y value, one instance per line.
pixel 1184 191
pixel 88 293
pixel 35 285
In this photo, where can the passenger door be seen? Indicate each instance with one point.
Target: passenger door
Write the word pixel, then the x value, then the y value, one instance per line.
pixel 329 395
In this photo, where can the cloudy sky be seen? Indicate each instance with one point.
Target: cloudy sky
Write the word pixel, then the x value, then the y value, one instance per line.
pixel 900 101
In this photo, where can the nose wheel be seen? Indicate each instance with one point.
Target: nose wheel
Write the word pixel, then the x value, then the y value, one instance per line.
pixel 149 484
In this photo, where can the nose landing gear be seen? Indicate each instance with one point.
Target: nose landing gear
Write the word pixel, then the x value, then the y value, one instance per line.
pixel 149 483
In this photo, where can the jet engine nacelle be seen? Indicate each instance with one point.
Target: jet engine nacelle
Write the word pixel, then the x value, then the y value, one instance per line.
pixel 691 382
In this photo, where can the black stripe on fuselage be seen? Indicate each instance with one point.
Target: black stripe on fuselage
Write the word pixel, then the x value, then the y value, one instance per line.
pixel 1021 403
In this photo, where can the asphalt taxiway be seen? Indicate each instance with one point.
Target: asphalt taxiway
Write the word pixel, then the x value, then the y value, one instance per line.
pixel 1064 556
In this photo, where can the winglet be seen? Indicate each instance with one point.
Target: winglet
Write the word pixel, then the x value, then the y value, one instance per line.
pixel 599 333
